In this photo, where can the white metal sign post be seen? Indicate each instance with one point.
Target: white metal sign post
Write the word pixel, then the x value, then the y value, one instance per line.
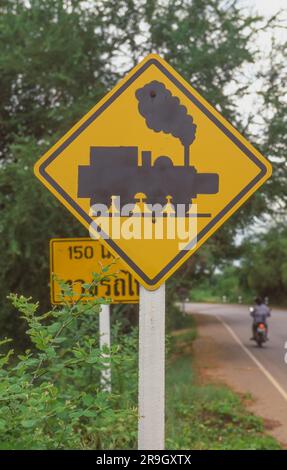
pixel 151 368
pixel 105 340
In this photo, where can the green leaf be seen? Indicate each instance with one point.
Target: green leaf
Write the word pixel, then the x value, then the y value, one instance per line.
pixel 28 423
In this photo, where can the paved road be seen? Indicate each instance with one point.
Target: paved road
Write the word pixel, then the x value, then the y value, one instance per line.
pixel 225 331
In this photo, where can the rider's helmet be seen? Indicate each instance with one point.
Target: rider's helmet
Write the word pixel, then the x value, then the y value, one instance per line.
pixel 258 301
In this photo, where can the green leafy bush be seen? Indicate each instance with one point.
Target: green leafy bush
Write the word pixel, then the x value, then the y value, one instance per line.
pixel 51 395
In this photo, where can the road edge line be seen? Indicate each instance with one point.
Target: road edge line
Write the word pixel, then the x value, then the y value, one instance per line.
pixel 254 359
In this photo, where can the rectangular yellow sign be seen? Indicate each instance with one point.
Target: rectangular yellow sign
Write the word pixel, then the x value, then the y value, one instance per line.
pixel 73 260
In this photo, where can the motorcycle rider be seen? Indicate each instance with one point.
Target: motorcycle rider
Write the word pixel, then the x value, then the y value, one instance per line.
pixel 260 312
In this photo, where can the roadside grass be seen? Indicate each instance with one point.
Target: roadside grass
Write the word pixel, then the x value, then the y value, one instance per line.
pixel 199 294
pixel 206 416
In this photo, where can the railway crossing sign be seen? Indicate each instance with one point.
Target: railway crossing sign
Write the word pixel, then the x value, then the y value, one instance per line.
pixel 73 260
pixel 154 170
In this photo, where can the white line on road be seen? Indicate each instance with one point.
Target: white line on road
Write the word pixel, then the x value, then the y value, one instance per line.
pixel 254 359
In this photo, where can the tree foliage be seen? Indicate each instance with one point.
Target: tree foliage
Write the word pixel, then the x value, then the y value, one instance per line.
pixel 264 264
pixel 51 394
pixel 275 117
pixel 57 59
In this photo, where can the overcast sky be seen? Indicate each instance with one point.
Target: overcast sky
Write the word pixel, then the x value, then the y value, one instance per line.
pixel 265 7
pixel 268 8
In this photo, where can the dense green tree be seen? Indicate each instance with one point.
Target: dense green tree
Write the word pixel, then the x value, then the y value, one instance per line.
pixel 275 117
pixel 264 268
pixel 57 59
pixel 264 264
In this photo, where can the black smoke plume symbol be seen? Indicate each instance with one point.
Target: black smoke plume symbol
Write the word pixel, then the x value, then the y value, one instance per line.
pixel 163 112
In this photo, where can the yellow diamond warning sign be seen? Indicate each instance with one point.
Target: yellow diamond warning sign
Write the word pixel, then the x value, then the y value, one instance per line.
pixel 154 170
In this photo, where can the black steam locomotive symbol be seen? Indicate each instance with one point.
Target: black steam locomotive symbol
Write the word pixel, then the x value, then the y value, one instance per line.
pixel 117 171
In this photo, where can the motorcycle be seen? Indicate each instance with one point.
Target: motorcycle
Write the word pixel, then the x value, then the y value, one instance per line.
pixel 260 333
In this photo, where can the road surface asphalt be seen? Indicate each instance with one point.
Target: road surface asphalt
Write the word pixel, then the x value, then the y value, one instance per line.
pixel 225 353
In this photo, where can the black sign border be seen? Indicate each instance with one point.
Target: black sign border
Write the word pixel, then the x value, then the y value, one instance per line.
pixel 90 119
